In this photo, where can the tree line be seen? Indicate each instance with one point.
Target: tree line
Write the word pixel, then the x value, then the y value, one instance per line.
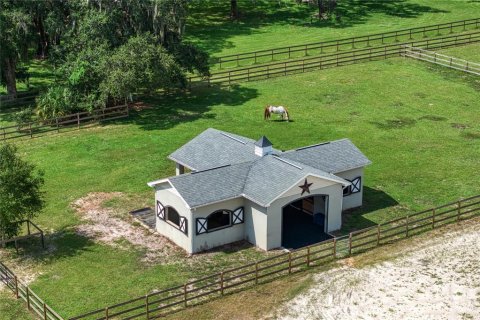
pixel 102 51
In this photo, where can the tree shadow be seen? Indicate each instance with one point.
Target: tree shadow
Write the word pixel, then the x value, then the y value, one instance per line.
pixel 171 109
pixel 212 27
pixel 373 200
pixel 58 245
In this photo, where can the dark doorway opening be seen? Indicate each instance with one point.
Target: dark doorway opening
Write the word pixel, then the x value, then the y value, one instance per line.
pixel 304 222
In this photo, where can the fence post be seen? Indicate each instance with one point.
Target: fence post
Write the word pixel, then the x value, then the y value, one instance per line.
pixel 78 120
pixel 433 218
pixel 378 235
pixel 146 307
pixel 289 262
pixel 350 244
pixel 185 295
pixel 16 286
pixel 56 121
pixel 406 225
pixel 28 227
pixel 221 282
pixel 308 256
pixel 44 311
pixel 28 298
pixel 459 210
pixel 30 128
pixel 43 239
pixel 256 272
pixel 106 313
pixel 335 248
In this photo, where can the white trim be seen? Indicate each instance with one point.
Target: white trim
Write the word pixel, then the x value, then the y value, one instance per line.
pixel 157 182
pixel 299 181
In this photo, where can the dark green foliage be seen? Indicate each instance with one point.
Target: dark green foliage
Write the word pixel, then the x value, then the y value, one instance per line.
pixel 20 195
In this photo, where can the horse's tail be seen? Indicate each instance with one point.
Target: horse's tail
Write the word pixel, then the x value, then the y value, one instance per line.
pixel 266 113
pixel 286 113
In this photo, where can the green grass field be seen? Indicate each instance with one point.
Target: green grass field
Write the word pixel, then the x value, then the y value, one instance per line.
pixel 267 24
pixel 418 123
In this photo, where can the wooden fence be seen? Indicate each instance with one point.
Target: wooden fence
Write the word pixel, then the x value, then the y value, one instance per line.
pixel 316 48
pixel 289 67
pixel 76 120
pixel 443 60
pixel 158 304
pixel 22 291
pixel 30 225
pixel 22 98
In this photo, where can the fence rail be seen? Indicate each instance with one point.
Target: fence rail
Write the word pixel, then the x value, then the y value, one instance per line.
pixel 157 304
pixel 443 60
pixel 75 120
pixel 22 291
pixel 266 71
pixel 317 48
pixel 30 225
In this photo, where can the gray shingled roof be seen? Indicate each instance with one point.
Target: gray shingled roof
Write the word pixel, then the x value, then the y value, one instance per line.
pixel 333 157
pixel 261 181
pixel 227 167
pixel 214 148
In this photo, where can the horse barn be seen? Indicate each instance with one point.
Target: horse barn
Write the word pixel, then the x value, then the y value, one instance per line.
pixel 241 189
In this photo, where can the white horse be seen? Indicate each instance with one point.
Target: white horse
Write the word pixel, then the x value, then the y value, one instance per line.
pixel 283 111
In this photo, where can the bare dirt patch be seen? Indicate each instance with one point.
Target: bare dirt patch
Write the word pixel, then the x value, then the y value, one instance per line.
pixel 437 279
pixel 106 225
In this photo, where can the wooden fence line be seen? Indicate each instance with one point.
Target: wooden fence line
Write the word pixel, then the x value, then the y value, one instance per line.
pixel 34 303
pixel 266 71
pixel 442 60
pixel 76 120
pixel 367 40
pixel 161 303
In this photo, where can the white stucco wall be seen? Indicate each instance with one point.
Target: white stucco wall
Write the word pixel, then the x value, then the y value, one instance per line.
pixel 169 197
pixel 355 199
pixel 319 187
pixel 219 237
pixel 256 224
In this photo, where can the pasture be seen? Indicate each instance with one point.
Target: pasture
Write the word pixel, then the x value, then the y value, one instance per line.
pixel 418 123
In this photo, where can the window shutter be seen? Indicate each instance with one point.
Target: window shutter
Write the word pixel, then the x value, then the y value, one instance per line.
pixel 237 216
pixel 201 225
pixel 356 185
pixel 160 210
pixel 183 225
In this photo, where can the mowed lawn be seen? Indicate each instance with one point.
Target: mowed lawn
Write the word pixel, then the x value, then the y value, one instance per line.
pixel 265 24
pixel 419 124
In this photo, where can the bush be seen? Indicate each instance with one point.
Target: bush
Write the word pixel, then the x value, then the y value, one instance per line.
pixel 55 102
pixel 23 117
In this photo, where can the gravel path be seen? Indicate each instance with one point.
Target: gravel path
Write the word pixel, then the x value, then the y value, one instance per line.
pixel 439 280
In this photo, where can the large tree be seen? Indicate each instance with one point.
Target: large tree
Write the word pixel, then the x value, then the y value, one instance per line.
pixel 20 194
pixel 15 38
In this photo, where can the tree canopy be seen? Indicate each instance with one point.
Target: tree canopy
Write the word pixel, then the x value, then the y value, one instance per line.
pixel 102 51
pixel 20 194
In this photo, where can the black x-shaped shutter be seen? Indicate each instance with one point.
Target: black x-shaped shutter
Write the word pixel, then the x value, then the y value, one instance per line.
pixel 237 216
pixel 201 225
pixel 356 185
pixel 160 210
pixel 183 225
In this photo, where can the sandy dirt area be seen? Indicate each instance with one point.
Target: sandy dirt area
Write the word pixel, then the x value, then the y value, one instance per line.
pixel 107 226
pixel 435 279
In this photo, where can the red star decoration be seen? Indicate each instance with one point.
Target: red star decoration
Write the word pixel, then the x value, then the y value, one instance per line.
pixel 305 187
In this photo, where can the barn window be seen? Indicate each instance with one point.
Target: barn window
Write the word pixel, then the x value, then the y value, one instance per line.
pixel 173 216
pixel 346 191
pixel 219 219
